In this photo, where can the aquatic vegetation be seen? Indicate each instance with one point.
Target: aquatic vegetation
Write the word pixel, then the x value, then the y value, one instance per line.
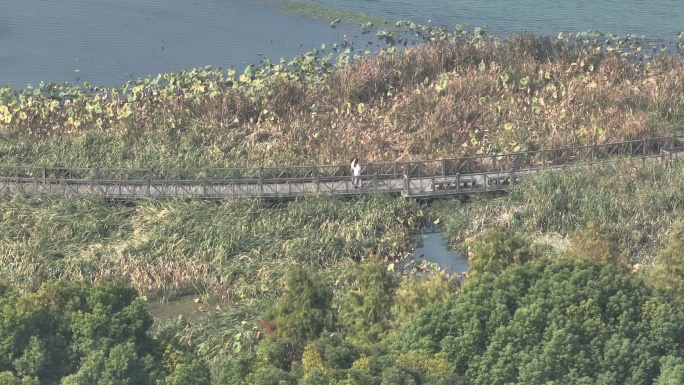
pixel 232 251
pixel 639 201
pixel 448 92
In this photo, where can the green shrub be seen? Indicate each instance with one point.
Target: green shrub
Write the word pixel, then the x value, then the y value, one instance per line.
pixel 600 244
pixel 233 371
pixel 669 269
pixel 366 311
pixel 304 310
pixel 496 249
pixel 415 293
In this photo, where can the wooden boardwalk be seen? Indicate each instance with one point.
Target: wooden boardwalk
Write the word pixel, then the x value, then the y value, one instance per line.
pixel 416 179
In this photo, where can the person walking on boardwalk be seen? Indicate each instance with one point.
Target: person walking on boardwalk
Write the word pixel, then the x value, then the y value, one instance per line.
pixel 356 172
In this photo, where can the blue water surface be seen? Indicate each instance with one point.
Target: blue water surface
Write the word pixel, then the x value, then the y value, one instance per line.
pixel 107 42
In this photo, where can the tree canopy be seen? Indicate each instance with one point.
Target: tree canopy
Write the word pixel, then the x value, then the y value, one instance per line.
pixel 567 322
pixel 77 334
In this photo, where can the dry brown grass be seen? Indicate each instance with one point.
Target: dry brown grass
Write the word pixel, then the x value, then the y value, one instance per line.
pixel 437 100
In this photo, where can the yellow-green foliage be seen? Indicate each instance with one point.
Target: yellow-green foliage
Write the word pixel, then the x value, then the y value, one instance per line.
pixel 669 269
pixel 362 363
pixel 312 360
pixel 599 244
pixel 417 292
pixel 8 378
pixel 425 363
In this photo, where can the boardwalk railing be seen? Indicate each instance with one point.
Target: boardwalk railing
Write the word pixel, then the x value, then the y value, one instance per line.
pixel 413 178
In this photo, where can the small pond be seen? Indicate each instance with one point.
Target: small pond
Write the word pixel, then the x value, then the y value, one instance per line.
pixel 430 252
pixel 189 306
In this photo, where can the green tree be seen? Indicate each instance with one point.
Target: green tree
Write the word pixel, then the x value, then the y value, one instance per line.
pixel 76 333
pixel 495 250
pixel 192 372
pixel 366 312
pixel 600 244
pixel 397 376
pixel 552 321
pixel 669 269
pixel 304 310
pixel 338 353
pixel 671 372
pixel 235 370
pixel 415 293
pixel 7 378
pixel 273 376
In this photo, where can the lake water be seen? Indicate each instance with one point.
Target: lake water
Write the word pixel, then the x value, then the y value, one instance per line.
pixel 106 42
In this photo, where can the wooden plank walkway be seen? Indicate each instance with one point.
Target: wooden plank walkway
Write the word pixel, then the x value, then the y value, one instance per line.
pixel 415 179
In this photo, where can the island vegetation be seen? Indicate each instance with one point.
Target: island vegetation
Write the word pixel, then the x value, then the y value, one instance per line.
pixel 574 275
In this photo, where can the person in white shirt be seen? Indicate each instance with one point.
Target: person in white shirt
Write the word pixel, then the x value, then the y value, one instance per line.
pixel 356 172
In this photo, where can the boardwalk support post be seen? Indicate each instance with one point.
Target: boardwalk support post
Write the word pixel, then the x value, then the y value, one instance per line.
pixel 645 148
pixel 317 179
pixel 443 168
pixel 543 157
pixel 261 180
pixel 92 181
pixel 407 184
pixel 458 181
pixel 204 183
pixel 149 181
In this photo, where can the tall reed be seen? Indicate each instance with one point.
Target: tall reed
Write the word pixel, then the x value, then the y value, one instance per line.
pixel 639 200
pixel 233 250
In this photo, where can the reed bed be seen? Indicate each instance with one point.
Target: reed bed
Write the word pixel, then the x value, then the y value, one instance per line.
pixel 639 200
pixel 457 93
pixel 232 251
